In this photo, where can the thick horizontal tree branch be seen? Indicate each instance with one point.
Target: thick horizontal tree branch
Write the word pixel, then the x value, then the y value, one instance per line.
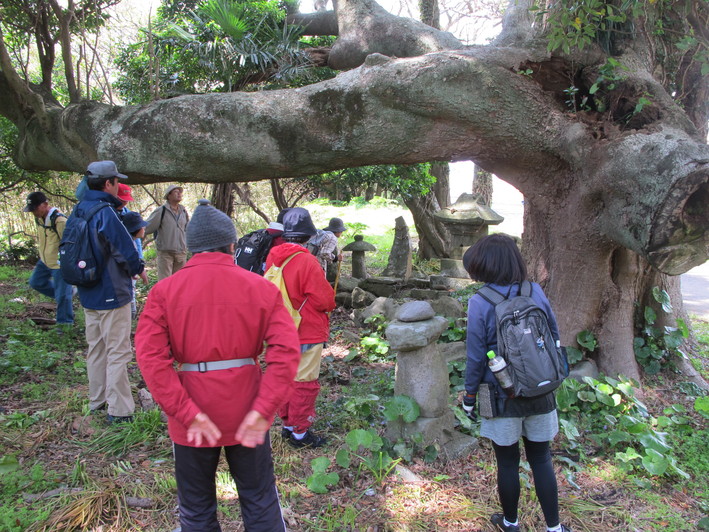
pixel 319 23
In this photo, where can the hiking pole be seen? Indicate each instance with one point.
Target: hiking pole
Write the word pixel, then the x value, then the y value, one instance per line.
pixel 337 276
pixel 337 280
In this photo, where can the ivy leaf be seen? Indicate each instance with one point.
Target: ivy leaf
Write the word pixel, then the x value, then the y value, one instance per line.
pixel 8 463
pixel 661 296
pixel 655 463
pixel 587 340
pixel 650 315
pixel 363 438
pixel 320 464
pixel 618 436
pixel 342 458
pixel 402 406
pixel 318 483
pixel 628 455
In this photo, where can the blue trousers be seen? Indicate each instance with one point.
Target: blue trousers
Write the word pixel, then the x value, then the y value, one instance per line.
pixel 50 283
pixel 251 469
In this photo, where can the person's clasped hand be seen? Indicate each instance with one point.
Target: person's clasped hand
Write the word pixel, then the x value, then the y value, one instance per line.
pixel 469 407
pixel 202 428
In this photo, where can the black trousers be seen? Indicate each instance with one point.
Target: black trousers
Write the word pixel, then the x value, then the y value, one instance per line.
pixel 252 470
pixel 508 487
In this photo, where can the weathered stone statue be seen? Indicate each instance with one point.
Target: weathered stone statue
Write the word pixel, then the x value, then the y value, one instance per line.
pixel 422 374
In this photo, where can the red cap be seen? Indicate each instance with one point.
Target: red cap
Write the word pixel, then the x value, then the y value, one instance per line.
pixel 124 192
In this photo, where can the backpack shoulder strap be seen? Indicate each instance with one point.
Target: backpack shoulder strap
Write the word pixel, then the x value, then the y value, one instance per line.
pixel 525 289
pixel 93 210
pixel 491 295
pixel 283 264
pixel 162 215
pixel 53 220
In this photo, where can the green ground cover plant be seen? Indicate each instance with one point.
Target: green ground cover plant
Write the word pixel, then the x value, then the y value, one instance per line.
pixel 626 459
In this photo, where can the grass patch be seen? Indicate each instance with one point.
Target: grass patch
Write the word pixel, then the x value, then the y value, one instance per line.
pixel 147 431
pixel 48 440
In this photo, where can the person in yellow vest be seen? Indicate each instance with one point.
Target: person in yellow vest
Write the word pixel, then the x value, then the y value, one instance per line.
pixel 46 277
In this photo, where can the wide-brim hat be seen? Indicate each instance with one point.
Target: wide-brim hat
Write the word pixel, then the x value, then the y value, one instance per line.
pixel 34 200
pixel 297 222
pixel 133 221
pixel 336 226
pixel 169 190
pixel 124 192
pixel 104 169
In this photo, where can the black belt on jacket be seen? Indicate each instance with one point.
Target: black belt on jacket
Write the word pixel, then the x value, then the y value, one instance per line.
pixel 203 367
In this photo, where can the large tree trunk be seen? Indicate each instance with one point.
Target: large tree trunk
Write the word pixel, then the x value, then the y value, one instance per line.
pixel 614 201
pixel 441 188
pixel 223 197
pixel 433 236
pixel 482 185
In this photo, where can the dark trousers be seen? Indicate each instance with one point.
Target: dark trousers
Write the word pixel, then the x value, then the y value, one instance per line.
pixel 252 470
pixel 539 458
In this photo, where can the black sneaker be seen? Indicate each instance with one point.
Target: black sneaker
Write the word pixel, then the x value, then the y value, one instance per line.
pixel 565 528
pixel 499 521
pixel 111 420
pixel 285 433
pixel 98 409
pixel 309 440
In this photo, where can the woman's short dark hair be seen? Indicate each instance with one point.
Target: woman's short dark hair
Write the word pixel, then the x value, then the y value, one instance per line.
pixel 495 259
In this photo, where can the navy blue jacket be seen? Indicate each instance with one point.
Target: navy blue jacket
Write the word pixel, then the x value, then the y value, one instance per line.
pixel 482 337
pixel 119 254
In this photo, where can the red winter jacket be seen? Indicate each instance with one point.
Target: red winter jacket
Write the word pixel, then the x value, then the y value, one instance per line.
pixel 213 310
pixel 304 278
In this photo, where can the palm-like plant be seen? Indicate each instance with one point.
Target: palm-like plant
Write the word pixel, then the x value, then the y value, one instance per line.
pixel 242 43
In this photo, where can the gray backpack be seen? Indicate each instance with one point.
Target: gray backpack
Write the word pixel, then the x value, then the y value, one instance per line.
pixel 524 340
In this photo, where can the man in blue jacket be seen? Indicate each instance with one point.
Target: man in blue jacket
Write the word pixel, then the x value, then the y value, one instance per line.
pixel 107 305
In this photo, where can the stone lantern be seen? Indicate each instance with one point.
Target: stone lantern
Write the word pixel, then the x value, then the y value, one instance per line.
pixel 358 248
pixel 467 222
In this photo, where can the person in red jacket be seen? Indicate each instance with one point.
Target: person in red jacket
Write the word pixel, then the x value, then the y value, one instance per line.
pixel 197 344
pixel 310 292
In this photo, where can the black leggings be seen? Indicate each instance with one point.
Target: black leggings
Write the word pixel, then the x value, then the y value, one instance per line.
pixel 539 458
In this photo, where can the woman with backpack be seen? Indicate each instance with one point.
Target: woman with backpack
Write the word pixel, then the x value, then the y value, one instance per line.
pixel 496 261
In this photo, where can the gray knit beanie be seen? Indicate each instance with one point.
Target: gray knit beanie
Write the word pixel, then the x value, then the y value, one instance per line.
pixel 209 228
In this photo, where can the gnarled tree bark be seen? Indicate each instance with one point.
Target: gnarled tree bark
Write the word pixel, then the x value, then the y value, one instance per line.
pixel 613 200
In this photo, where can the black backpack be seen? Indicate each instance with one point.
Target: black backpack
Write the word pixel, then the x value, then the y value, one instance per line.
pixel 252 250
pixel 78 254
pixel 524 340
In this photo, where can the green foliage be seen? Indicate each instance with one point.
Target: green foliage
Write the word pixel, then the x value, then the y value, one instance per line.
pixel 701 405
pixel 655 347
pixel 374 347
pixel 456 332
pixel 586 341
pixel 402 407
pixel 216 45
pixel 29 349
pixel 364 449
pixel 146 430
pixel 14 481
pixel 456 375
pixel 578 24
pixel 607 412
pixel 319 481
pixel 401 180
